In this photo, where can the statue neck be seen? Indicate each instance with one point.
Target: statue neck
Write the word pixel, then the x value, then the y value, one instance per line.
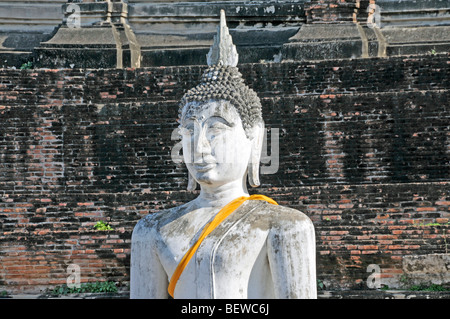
pixel 219 196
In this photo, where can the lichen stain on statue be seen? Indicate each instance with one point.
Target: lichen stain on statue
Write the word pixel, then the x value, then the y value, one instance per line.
pixel 258 249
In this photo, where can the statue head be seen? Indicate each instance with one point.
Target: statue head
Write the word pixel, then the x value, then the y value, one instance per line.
pixel 221 121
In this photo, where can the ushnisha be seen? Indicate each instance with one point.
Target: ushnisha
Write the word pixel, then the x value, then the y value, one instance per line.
pixel 225 243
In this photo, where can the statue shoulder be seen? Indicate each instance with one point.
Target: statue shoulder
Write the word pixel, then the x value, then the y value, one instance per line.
pixel 289 217
pixel 151 223
pixel 290 230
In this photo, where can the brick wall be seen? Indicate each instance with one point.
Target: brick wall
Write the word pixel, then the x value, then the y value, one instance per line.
pixel 364 151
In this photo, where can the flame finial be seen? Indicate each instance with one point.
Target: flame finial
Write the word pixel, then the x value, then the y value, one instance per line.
pixel 223 51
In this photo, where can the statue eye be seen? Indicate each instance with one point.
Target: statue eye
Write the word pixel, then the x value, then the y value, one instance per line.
pixel 218 124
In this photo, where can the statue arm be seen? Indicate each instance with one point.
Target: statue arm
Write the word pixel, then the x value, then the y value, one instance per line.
pixel 147 276
pixel 292 258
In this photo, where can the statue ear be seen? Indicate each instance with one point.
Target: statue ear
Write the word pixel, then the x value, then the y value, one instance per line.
pixel 256 137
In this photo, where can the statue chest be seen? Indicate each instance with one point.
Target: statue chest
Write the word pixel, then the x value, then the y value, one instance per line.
pixel 228 259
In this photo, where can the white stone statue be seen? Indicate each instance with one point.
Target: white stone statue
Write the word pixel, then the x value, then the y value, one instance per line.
pixel 261 249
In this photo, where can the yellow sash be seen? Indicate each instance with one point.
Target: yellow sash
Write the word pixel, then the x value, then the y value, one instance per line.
pixel 220 217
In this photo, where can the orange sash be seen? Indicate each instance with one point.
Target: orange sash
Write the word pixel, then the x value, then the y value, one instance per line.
pixel 220 217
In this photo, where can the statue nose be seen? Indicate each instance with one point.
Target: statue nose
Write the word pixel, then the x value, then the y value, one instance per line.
pixel 201 145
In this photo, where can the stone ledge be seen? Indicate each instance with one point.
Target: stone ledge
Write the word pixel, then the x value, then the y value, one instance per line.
pixel 348 41
pixel 325 294
pixel 426 269
pixel 382 294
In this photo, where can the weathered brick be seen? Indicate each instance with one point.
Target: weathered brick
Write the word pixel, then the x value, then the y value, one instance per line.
pixel 363 152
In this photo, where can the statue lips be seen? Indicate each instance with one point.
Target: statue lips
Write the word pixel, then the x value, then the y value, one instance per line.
pixel 204 166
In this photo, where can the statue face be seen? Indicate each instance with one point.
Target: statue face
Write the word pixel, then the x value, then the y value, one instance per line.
pixel 216 149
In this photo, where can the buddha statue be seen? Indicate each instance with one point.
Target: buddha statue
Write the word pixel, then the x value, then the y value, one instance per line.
pixel 224 243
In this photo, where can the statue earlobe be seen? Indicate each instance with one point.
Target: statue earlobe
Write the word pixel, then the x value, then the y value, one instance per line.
pixel 253 174
pixel 192 183
pixel 255 155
